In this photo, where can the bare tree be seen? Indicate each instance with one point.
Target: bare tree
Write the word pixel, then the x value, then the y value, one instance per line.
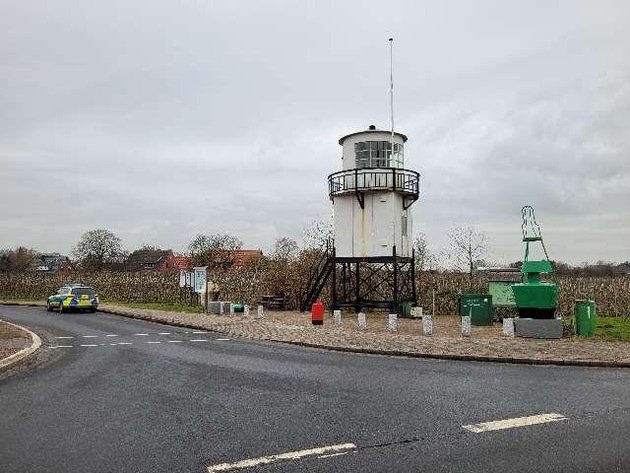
pixel 425 259
pixel 20 259
pixel 285 249
pixel 317 234
pixel 215 251
pixel 468 246
pixel 98 248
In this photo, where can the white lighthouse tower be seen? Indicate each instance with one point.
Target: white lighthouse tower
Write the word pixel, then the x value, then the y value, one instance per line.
pixel 371 260
pixel 372 196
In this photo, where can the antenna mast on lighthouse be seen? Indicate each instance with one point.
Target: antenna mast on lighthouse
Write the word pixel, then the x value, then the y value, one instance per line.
pixel 391 89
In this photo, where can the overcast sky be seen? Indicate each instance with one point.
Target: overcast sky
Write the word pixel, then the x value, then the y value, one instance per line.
pixel 159 120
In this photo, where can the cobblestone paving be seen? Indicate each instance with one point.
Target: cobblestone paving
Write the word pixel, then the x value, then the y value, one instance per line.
pixel 485 343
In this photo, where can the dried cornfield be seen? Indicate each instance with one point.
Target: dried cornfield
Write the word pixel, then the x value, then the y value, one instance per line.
pixel 289 278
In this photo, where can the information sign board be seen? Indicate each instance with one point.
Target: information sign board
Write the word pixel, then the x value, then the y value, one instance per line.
pixel 502 294
pixel 200 279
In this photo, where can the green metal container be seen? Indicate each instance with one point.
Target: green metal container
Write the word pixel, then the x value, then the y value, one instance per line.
pixel 405 309
pixel 478 307
pixel 540 295
pixel 238 307
pixel 585 317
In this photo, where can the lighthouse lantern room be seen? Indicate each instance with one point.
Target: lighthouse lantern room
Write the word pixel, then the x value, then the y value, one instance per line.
pixel 372 195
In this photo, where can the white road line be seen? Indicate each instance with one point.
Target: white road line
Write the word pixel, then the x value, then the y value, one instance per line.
pixel 141 334
pixel 199 332
pixel 88 345
pixel 328 455
pixel 64 337
pixel 515 422
pixel 252 462
pixel 175 341
pixel 153 342
pixel 90 336
pixel 62 346
pixel 113 344
pixel 111 335
pixel 124 343
pixel 223 339
pixel 165 333
pixel 198 340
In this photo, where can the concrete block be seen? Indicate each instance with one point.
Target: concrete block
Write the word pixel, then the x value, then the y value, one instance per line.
pixel 466 325
pixel 508 327
pixel 361 321
pixel 392 322
pixel 538 328
pixel 427 324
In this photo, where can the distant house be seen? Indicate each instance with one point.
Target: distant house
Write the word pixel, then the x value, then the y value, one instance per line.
pixel 242 257
pixel 623 269
pixel 151 260
pixel 182 263
pixel 223 260
pixel 50 262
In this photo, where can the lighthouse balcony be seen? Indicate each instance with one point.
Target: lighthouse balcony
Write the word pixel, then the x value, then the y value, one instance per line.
pixel 355 181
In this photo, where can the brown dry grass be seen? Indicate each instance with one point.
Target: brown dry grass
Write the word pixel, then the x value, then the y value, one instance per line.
pixel 12 340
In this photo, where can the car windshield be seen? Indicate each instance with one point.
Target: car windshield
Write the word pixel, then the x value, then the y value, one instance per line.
pixel 83 291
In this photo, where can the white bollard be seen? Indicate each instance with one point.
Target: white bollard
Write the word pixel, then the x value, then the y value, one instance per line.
pixel 246 310
pixel 392 323
pixel 466 326
pixel 337 316
pixel 427 325
pixel 231 309
pixel 261 311
pixel 508 327
pixel 361 321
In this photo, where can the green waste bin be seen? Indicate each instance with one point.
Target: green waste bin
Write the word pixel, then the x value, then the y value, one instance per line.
pixel 585 317
pixel 478 307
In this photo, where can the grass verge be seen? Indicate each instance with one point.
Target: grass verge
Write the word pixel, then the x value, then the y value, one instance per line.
pixel 612 328
pixel 158 306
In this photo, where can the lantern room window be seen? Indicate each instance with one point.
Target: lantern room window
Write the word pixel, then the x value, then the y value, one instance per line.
pixel 378 154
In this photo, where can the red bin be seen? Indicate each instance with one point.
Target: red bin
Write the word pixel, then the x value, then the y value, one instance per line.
pixel 317 313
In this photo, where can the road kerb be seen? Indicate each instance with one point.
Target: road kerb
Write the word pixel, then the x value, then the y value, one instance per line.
pixel 36 343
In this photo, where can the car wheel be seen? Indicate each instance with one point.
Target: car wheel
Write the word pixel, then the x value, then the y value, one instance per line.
pixel 61 309
pixel 48 308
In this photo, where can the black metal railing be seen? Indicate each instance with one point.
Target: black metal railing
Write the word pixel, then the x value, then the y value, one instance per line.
pixel 404 181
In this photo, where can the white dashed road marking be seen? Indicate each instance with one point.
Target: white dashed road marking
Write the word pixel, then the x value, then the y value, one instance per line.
pixel 511 423
pixel 136 335
pixel 252 462
pixel 223 339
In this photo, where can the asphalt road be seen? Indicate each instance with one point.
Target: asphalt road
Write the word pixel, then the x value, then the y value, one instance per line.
pixel 124 395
